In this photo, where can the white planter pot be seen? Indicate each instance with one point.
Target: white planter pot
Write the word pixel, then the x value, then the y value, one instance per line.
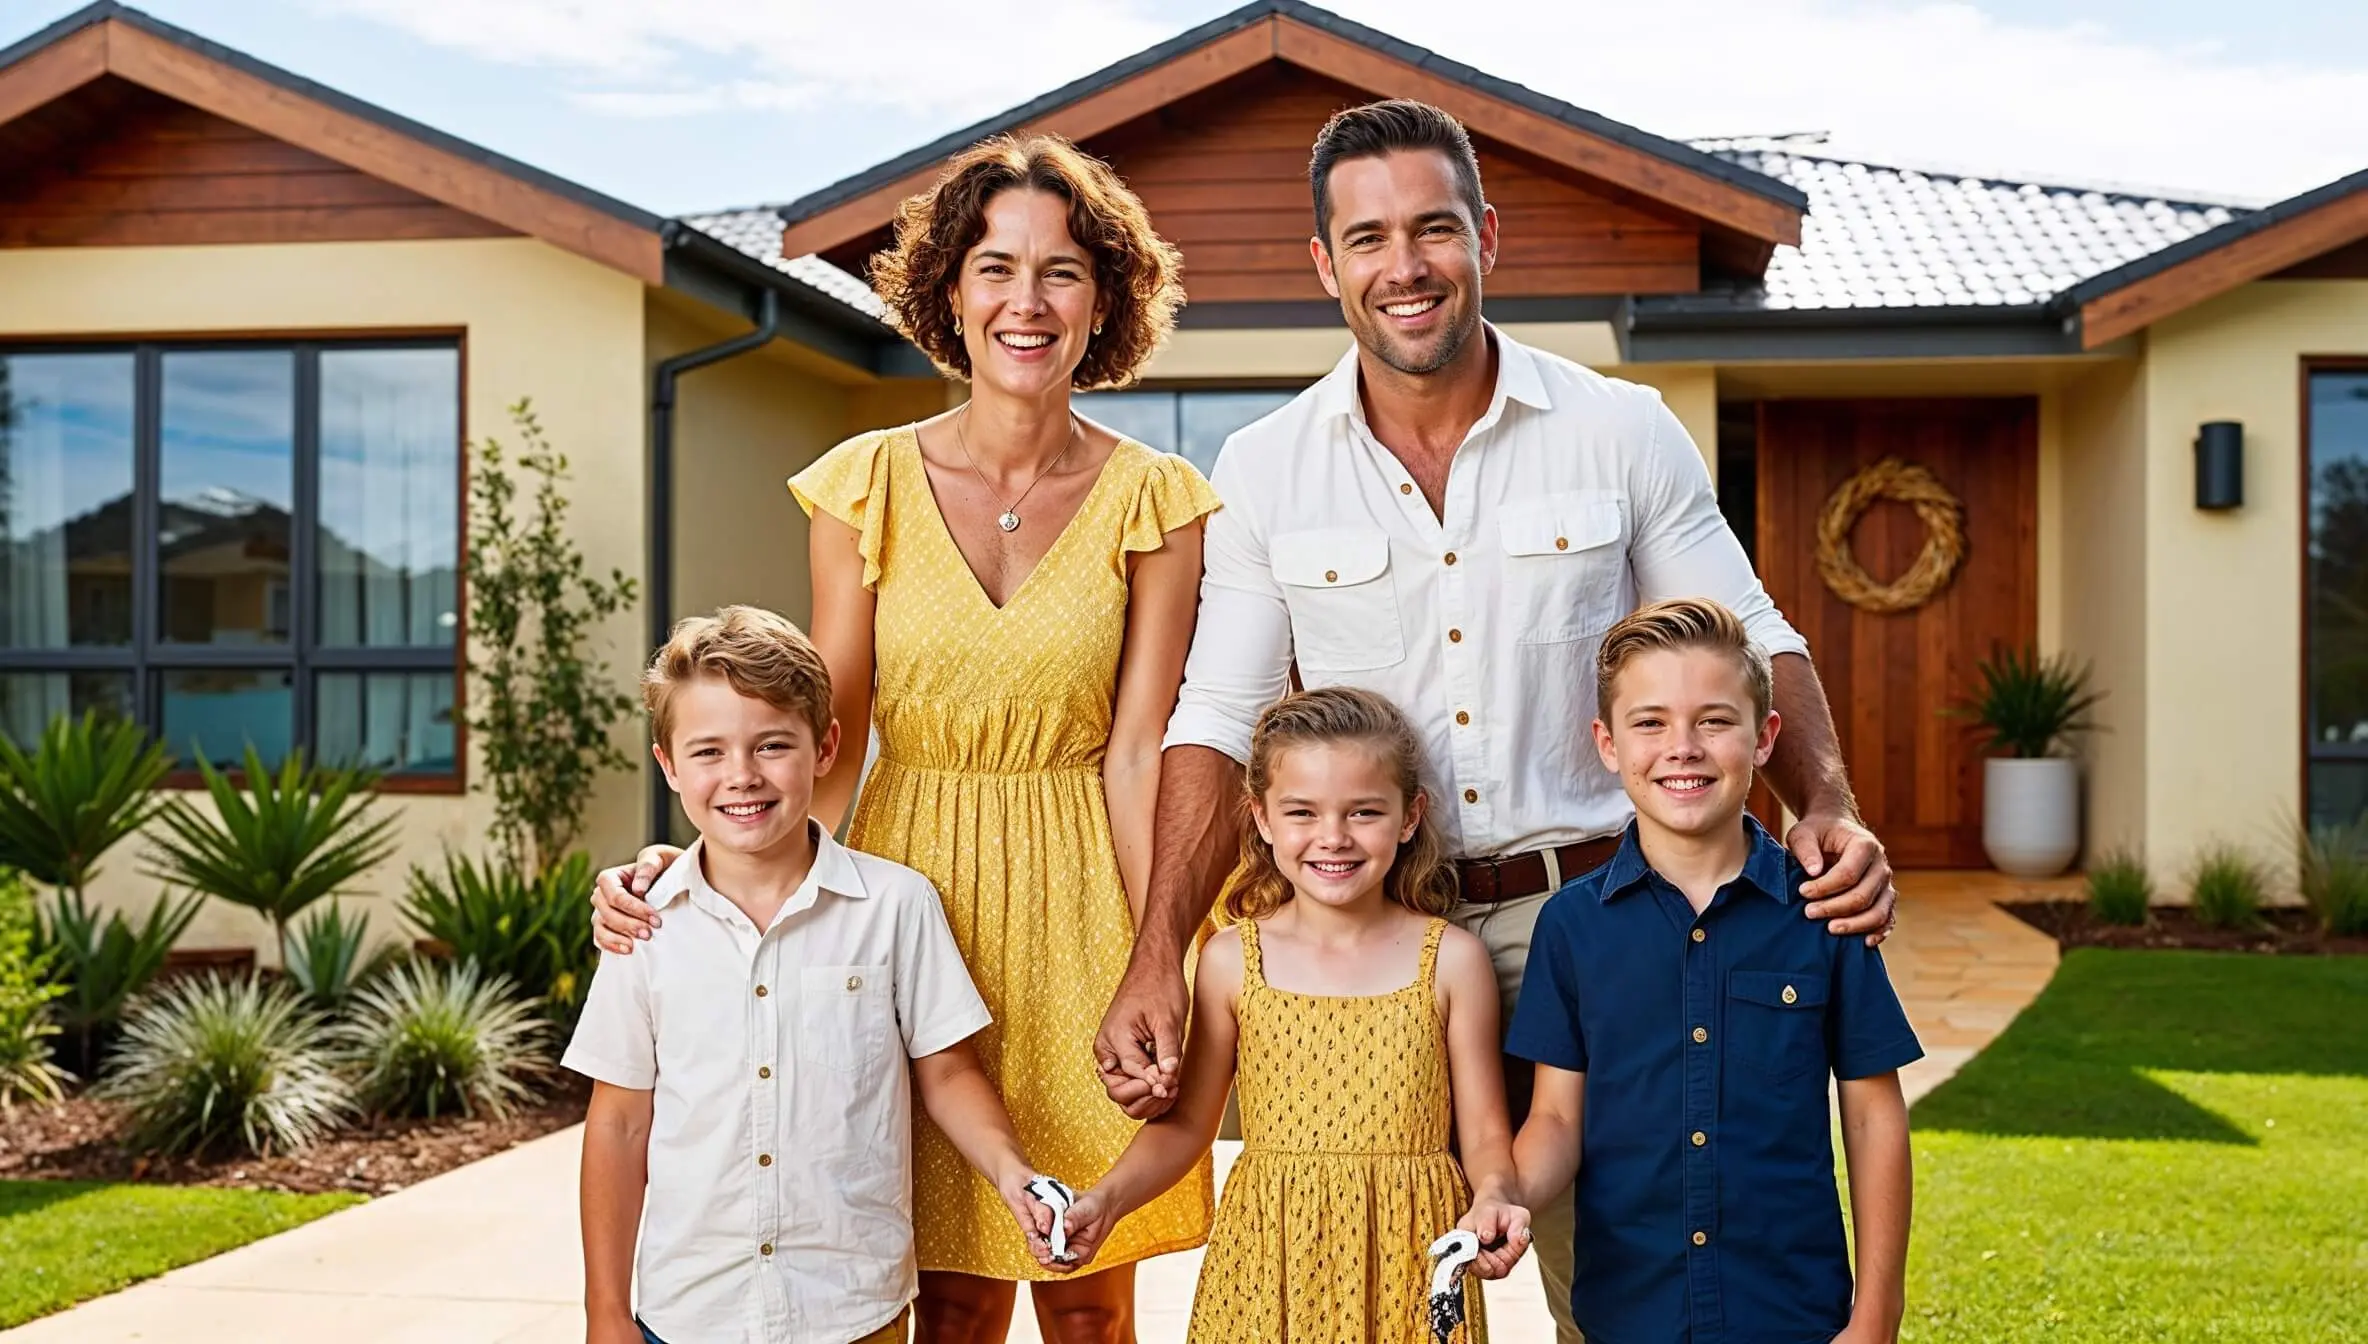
pixel 2031 814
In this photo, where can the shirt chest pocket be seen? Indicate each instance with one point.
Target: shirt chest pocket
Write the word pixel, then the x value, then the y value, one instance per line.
pixel 1563 564
pixel 1776 1022
pixel 846 1016
pixel 1343 598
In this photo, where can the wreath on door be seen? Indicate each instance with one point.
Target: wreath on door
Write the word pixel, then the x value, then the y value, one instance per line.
pixel 1944 537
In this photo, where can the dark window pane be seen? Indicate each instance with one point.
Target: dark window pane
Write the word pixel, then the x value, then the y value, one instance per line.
pixel 397 722
pixel 1145 417
pixel 2338 601
pixel 2338 791
pixel 1207 417
pixel 227 480
pixel 29 700
pixel 65 500
pixel 216 712
pixel 390 497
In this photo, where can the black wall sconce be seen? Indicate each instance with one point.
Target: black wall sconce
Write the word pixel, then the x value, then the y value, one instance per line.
pixel 2220 465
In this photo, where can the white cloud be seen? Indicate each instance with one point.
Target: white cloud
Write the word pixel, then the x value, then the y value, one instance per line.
pixel 1939 83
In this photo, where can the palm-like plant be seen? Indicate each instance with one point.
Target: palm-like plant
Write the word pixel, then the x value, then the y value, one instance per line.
pixel 211 1064
pixel 89 783
pixel 531 930
pixel 104 963
pixel 432 1038
pixel 2028 703
pixel 279 845
pixel 325 960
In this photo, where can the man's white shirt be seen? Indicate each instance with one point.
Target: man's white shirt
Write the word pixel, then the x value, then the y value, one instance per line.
pixel 1575 499
pixel 779 1205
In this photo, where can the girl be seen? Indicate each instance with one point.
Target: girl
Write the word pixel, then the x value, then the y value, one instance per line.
pixel 1363 1026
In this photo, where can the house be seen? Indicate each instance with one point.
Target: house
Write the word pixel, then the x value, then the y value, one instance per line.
pixel 248 323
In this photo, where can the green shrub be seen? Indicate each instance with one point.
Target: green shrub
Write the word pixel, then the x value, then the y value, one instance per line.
pixel 535 933
pixel 28 1072
pixel 278 845
pixel 213 1064
pixel 433 1037
pixel 104 963
pixel 325 960
pixel 88 784
pixel 2334 868
pixel 2027 703
pixel 2225 888
pixel 2119 889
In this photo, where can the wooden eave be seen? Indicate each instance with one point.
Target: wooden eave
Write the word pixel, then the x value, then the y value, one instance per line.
pixel 115 45
pixel 1760 222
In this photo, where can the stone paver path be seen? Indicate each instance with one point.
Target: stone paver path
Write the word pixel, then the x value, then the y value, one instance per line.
pixel 488 1254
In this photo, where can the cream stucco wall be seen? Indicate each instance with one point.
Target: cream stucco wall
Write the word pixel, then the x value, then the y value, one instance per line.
pixel 2224 595
pixel 2103 588
pixel 1691 393
pixel 537 322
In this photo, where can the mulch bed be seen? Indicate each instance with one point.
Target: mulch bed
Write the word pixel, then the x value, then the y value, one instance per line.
pixel 76 1141
pixel 2283 932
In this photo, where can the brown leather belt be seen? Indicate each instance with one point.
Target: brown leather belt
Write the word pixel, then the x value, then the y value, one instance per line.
pixel 1533 873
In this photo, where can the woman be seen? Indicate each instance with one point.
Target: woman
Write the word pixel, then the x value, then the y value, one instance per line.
pixel 1006 593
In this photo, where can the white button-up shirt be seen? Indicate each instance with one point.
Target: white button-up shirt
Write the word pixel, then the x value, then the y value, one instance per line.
pixel 779 1205
pixel 1574 500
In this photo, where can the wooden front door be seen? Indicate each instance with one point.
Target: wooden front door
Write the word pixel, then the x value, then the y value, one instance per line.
pixel 1918 774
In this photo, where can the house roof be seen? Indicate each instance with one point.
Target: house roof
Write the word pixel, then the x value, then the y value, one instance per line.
pixel 756 231
pixel 1723 193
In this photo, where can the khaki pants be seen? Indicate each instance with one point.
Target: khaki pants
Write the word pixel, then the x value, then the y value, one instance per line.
pixel 1504 928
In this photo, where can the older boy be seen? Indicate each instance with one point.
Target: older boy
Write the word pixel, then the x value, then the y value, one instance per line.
pixel 1684 1020
pixel 750 1085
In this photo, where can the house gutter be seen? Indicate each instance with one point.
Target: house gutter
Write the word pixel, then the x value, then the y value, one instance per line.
pixel 661 516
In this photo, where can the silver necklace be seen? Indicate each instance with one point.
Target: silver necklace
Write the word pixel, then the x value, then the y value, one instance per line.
pixel 1009 519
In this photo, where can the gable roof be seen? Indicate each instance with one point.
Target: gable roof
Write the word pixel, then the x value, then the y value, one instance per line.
pixel 108 39
pixel 1723 193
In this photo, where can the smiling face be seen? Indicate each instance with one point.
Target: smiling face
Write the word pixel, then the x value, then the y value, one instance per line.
pixel 1405 257
pixel 1682 740
pixel 1335 816
pixel 745 769
pixel 1026 296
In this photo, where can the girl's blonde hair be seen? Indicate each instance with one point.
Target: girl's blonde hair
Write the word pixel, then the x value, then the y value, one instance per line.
pixel 1420 878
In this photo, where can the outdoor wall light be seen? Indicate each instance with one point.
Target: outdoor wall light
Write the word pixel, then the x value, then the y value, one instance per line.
pixel 2220 465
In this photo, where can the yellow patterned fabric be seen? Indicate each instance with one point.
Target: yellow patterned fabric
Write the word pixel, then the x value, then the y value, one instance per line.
pixel 1344 1178
pixel 992 725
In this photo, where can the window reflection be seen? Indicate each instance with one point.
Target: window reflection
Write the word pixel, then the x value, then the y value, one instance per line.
pixel 2338 595
pixel 29 700
pixel 227 485
pixel 65 500
pixel 397 722
pixel 214 713
pixel 1191 422
pixel 390 497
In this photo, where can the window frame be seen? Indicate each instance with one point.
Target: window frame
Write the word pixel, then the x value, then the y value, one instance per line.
pixel 148 658
pixel 2314 752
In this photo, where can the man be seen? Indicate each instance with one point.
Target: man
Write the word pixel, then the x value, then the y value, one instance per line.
pixel 1453 520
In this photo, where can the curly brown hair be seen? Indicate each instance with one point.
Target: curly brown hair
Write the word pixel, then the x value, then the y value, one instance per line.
pixel 1137 272
pixel 1420 877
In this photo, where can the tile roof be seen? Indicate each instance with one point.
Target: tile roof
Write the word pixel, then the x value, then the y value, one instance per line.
pixel 1888 237
pixel 756 231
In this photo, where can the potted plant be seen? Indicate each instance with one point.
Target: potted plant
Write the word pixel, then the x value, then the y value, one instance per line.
pixel 2028 706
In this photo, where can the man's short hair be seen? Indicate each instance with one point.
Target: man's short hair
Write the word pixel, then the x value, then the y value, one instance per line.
pixel 1683 623
pixel 1375 129
pixel 759 653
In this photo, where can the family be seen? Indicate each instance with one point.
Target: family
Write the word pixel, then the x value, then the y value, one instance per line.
pixel 1451 678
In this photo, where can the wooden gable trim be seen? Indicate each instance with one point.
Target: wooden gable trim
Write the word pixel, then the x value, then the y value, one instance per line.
pixel 1280 37
pixel 1186 74
pixel 1547 137
pixel 120 49
pixel 2240 261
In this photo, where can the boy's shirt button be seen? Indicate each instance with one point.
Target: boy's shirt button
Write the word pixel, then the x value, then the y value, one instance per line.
pixel 855 982
pixel 1700 1138
pixel 760 991
pixel 766 1249
pixel 1462 718
pixel 764 1159
pixel 1701 1034
pixel 764 1071
pixel 1699 935
pixel 1790 996
pixel 1701 1238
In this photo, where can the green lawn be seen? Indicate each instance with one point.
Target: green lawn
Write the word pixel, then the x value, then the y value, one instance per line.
pixel 2165 1146
pixel 62 1242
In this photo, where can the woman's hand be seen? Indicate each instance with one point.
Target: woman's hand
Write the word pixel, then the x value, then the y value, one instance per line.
pixel 618 915
pixel 1032 1214
pixel 1500 1225
pixel 1089 1224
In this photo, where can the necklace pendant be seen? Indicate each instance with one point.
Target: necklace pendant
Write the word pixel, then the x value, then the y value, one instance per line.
pixel 1009 522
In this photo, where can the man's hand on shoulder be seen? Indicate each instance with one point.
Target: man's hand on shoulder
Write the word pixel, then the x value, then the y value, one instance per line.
pixel 619 916
pixel 1849 874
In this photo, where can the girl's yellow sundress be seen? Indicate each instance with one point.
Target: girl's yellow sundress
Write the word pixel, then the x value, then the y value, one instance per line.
pixel 992 725
pixel 1344 1178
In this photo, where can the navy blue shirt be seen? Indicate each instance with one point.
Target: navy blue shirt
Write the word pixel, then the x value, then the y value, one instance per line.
pixel 1707 1211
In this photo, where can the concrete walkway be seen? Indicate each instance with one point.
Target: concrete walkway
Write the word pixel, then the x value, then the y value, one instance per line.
pixel 488 1254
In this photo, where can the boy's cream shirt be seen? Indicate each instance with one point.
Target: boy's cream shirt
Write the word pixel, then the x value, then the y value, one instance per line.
pixel 779 1205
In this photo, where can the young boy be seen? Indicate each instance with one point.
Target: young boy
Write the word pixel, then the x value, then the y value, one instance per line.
pixel 751 1105
pixel 1684 1017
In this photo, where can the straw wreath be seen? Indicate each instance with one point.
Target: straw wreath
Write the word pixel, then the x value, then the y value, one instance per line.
pixel 1936 564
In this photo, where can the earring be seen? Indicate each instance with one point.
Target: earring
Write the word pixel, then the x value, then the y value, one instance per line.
pixel 957 324
pixel 1097 328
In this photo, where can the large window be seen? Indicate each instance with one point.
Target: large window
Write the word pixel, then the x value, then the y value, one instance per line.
pixel 1192 422
pixel 2336 637
pixel 236 544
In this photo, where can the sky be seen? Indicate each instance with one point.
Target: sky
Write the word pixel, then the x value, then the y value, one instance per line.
pixel 679 107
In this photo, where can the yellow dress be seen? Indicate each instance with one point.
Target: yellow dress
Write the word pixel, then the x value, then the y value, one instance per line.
pixel 993 724
pixel 1344 1177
